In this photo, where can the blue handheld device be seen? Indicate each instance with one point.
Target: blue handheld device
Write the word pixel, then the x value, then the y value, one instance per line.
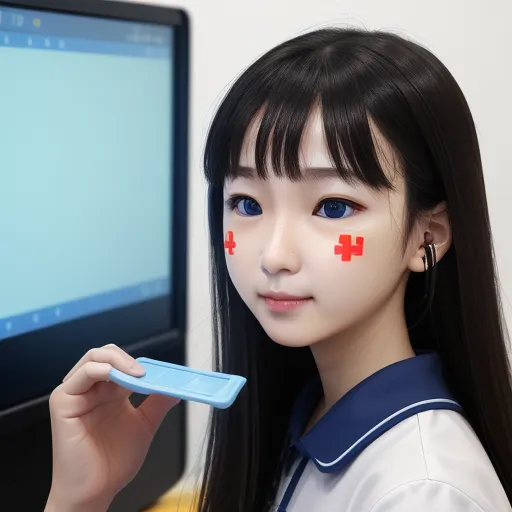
pixel 212 388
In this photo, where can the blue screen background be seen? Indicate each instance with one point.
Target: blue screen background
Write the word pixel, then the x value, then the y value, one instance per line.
pixel 85 181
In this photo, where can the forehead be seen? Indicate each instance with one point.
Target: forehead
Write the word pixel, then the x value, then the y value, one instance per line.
pixel 313 150
pixel 314 157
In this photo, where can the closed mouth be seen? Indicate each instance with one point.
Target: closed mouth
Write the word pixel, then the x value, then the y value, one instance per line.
pixel 285 297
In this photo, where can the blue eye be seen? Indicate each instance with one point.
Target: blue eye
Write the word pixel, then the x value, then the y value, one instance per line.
pixel 246 206
pixel 335 209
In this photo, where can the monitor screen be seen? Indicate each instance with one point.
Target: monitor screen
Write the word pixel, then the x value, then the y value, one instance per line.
pixel 93 187
pixel 86 184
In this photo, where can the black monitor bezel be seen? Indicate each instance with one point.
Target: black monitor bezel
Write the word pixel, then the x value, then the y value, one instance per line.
pixel 32 364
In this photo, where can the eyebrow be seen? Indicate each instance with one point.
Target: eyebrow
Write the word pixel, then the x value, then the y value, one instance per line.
pixel 308 173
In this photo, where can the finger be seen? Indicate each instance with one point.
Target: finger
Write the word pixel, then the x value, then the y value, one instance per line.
pixel 73 406
pixel 85 377
pixel 155 407
pixel 107 392
pixel 112 355
pixel 103 393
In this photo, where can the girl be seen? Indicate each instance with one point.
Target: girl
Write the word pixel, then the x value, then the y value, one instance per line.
pixel 353 285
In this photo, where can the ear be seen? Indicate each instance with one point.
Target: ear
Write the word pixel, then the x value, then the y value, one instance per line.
pixel 437 223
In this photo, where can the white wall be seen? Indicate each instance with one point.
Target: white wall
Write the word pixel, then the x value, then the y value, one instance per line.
pixel 470 37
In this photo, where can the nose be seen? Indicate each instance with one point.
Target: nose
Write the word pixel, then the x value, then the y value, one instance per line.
pixel 280 253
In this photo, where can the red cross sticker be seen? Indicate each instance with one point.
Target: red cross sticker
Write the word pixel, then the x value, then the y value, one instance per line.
pixel 230 244
pixel 346 249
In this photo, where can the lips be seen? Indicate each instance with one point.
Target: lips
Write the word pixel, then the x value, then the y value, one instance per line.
pixel 283 296
pixel 282 302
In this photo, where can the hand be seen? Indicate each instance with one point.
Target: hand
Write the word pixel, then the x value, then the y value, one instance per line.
pixel 99 439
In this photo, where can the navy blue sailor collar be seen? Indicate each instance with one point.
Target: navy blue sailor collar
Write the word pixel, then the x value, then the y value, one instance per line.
pixel 367 411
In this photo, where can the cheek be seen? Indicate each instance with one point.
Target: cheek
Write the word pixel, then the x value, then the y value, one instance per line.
pixel 229 243
pixel 241 258
pixel 355 268
pixel 337 266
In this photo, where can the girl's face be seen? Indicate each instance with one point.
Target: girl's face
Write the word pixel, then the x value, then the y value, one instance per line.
pixel 288 244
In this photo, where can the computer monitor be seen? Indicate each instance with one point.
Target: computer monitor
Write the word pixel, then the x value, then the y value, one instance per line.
pixel 93 187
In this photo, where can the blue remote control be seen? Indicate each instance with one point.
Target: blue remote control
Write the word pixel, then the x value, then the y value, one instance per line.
pixel 213 388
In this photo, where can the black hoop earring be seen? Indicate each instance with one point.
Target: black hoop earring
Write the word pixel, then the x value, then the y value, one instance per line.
pixel 430 264
pixel 430 276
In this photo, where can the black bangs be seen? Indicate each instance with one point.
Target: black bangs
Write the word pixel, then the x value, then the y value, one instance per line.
pixel 280 92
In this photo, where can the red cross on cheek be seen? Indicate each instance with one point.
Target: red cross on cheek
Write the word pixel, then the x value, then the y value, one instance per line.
pixel 346 249
pixel 230 243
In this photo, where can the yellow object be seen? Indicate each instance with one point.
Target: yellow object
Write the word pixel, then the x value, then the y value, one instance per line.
pixel 175 501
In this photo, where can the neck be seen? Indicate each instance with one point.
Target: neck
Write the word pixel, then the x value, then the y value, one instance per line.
pixel 350 357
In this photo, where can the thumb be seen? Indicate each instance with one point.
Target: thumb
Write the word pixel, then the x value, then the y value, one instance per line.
pixel 155 407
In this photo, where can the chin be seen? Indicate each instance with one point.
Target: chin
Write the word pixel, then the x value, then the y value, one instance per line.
pixel 291 337
pixel 291 342
pixel 300 328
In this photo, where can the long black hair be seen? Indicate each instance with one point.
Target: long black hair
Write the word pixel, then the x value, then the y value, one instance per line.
pixel 353 76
